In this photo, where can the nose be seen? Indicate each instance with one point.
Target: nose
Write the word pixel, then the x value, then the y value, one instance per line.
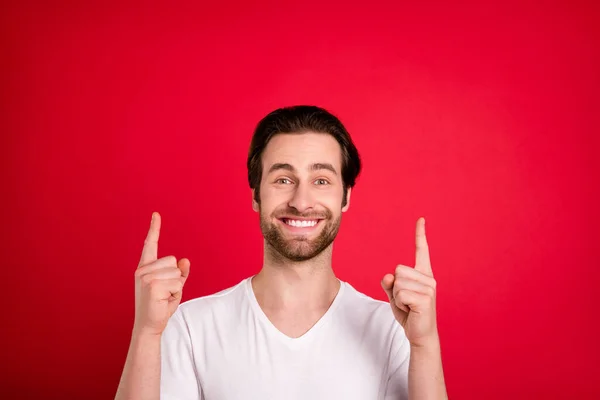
pixel 302 198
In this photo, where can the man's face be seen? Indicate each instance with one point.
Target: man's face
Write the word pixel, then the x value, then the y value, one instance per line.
pixel 301 194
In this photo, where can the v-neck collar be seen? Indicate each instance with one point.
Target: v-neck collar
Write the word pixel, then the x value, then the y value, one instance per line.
pixel 290 341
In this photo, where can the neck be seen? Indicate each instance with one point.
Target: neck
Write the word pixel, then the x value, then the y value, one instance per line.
pixel 285 284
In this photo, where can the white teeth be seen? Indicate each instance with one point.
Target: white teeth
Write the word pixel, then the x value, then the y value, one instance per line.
pixel 301 224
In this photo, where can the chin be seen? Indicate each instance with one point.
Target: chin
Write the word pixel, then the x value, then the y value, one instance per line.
pixel 298 252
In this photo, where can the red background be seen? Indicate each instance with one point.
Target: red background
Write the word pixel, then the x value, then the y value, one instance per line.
pixel 482 118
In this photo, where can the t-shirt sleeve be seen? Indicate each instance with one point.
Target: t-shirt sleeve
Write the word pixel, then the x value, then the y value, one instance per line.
pixel 178 379
pixel 397 385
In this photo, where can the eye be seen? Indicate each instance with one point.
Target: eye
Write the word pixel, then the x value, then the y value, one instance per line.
pixel 321 182
pixel 283 181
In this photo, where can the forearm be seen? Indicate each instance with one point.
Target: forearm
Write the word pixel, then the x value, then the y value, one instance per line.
pixel 425 373
pixel 141 374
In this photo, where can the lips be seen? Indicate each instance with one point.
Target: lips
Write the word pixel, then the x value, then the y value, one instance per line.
pixel 300 224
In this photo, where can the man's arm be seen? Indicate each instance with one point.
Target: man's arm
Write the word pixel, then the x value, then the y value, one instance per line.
pixel 141 375
pixel 425 373
pixel 412 294
pixel 158 288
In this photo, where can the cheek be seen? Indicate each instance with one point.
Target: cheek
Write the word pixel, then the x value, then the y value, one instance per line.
pixel 271 199
pixel 276 195
pixel 332 198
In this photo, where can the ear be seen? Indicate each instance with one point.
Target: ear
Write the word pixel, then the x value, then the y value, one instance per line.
pixel 347 206
pixel 255 206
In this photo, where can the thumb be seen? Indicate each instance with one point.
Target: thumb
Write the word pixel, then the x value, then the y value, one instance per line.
pixel 184 267
pixel 387 283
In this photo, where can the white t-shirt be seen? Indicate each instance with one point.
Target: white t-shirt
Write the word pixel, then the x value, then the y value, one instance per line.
pixel 223 347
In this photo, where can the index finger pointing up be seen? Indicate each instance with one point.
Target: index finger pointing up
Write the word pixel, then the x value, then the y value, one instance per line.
pixel 422 261
pixel 150 250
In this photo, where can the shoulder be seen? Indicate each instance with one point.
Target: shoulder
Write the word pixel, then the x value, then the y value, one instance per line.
pixel 365 304
pixel 200 320
pixel 364 311
pixel 222 304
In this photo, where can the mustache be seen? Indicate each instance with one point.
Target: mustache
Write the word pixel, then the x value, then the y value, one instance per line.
pixel 290 212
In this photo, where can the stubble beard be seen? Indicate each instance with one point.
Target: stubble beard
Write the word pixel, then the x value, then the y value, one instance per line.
pixel 300 247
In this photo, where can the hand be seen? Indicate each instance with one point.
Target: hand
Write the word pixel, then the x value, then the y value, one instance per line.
pixel 412 294
pixel 158 285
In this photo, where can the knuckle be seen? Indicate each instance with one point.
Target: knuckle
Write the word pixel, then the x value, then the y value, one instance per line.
pixel 399 294
pixel 171 260
pixel 154 287
pixel 430 292
pixel 147 279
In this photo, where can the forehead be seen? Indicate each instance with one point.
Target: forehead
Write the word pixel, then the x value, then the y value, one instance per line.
pixel 302 150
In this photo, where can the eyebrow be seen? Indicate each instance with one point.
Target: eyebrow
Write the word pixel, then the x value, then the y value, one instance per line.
pixel 312 167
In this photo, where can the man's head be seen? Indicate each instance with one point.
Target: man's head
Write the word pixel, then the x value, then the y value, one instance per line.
pixel 302 166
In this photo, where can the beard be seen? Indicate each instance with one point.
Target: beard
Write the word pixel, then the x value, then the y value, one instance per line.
pixel 299 247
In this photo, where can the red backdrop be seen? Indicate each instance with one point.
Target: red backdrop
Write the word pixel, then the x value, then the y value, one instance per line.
pixel 482 118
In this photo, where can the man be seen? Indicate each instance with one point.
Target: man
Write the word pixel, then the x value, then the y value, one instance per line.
pixel 293 331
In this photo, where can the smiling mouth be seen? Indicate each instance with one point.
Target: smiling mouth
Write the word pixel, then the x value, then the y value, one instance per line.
pixel 300 223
